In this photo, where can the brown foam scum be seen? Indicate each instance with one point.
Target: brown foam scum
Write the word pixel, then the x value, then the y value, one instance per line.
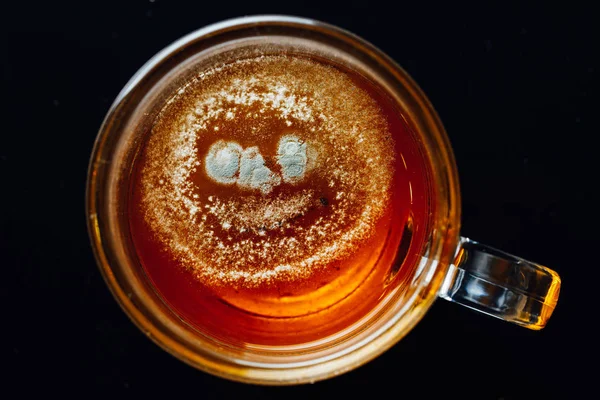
pixel 230 235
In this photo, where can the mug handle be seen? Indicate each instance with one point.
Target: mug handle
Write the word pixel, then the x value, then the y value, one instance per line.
pixel 501 285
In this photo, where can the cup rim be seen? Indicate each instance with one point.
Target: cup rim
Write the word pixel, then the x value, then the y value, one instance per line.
pixel 446 228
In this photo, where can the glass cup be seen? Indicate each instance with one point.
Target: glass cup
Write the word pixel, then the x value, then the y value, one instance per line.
pixel 451 267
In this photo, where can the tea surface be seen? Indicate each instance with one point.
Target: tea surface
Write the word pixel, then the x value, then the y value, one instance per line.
pixel 272 197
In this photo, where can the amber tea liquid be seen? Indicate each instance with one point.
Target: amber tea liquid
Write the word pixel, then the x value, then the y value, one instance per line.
pixel 276 199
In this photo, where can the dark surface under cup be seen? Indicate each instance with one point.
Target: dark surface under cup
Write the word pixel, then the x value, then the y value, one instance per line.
pixel 513 88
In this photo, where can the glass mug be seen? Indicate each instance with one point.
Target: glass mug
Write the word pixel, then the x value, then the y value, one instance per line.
pixel 450 267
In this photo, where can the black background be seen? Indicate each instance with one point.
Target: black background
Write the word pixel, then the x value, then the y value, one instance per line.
pixel 514 86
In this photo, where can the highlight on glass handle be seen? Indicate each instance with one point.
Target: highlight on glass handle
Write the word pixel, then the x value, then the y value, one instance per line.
pixel 501 285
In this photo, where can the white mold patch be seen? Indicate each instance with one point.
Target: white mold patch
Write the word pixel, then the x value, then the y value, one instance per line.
pixel 223 161
pixel 229 163
pixel 254 174
pixel 292 158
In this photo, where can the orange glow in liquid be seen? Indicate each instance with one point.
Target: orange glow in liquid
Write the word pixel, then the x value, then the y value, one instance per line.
pixel 277 199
